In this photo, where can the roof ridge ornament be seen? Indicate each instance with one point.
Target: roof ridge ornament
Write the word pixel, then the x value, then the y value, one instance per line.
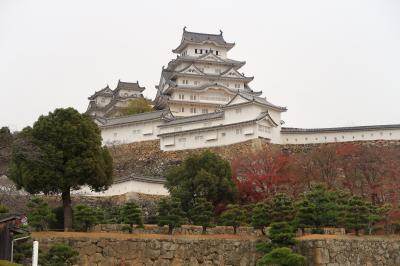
pixel 220 32
pixel 184 29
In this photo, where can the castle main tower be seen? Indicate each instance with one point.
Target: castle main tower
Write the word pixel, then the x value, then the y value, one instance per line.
pixel 202 77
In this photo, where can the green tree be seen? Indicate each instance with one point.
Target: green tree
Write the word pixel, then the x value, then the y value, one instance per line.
pixel 202 176
pixel 65 153
pixel 281 236
pixel 282 209
pixel 3 208
pixel 137 106
pixel 233 216
pixel 170 213
pixel 357 214
pixel 39 214
pixel 282 256
pixel 112 215
pixel 6 140
pixel 261 217
pixel 317 209
pixel 59 255
pixel 85 216
pixel 131 214
pixel 202 213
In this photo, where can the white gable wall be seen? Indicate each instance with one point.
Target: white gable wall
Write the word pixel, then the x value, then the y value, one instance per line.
pixel 121 134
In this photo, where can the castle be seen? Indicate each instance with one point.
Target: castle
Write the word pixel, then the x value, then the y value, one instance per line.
pixel 204 101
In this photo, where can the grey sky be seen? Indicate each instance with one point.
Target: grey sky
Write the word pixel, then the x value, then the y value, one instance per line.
pixel 332 63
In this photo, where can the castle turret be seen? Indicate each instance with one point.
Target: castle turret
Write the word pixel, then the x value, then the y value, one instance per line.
pixel 202 77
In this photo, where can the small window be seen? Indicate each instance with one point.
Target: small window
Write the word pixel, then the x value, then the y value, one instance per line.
pixel 195 51
pixel 216 52
pixel 306 139
pixel 237 86
pixel 238 131
pixel 201 51
pixel 182 109
pixel 196 82
pixel 342 137
pixel 223 134
pixel 325 137
pixel 181 96
pixel 193 110
pixel 204 111
pixel 136 131
pixel 390 133
pixel 198 137
pixel 193 97
pixel 182 140
pixel 238 110
pixel 103 100
pixel 206 51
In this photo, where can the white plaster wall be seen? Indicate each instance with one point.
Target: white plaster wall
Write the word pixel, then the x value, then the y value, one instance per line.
pixel 225 136
pixel 130 133
pixel 191 49
pixel 176 109
pixel 127 186
pixel 328 137
pixel 102 101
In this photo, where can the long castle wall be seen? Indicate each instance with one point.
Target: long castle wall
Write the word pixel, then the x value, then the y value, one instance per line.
pixel 151 249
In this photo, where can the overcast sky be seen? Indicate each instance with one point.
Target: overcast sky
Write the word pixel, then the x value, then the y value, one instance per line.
pixel 332 63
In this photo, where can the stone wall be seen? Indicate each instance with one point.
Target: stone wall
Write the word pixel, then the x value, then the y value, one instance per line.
pixel 161 250
pixel 183 230
pixel 146 159
pixel 348 251
pixel 151 249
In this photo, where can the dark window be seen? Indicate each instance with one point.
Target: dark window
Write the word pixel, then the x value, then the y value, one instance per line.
pixel 216 52
pixel 201 51
pixel 195 51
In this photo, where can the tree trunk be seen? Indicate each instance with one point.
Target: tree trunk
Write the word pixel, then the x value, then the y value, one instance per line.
pixel 170 228
pixel 66 199
pixel 234 230
pixel 203 232
pixel 262 231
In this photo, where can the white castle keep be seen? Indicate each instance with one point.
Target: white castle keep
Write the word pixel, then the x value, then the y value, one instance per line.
pixel 204 101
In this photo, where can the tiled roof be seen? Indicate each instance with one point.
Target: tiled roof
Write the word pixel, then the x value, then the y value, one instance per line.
pixel 195 118
pixel 129 86
pixel 162 114
pixel 253 98
pixel 196 37
pixel 338 129
pixel 107 92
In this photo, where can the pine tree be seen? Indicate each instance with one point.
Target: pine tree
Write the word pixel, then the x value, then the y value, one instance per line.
pixel 317 209
pixel 202 213
pixel 39 214
pixel 282 209
pixel 131 214
pixel 233 216
pixel 61 152
pixel 357 214
pixel 170 213
pixel 261 217
pixel 282 256
pixel 278 250
pixel 85 216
